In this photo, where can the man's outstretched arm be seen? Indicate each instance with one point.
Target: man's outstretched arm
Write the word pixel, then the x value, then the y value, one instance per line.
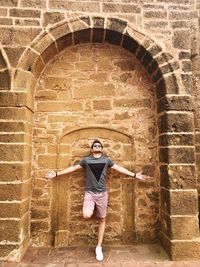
pixel 52 174
pixel 123 170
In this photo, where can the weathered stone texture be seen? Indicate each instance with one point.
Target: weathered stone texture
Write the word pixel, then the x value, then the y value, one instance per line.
pixel 176 122
pixel 69 86
pixel 77 75
pixel 179 227
pixel 182 202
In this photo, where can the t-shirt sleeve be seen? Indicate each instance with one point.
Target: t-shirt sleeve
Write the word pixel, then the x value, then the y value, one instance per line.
pixel 82 162
pixel 110 163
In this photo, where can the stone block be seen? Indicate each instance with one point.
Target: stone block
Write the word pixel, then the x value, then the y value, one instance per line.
pixel 178 155
pixel 163 58
pixel 167 85
pixel 176 122
pixel 59 106
pixel 14 126
pixel 16 113
pixel 15 138
pixel 13 99
pixel 50 18
pixel 98 22
pixel 154 50
pixel 33 3
pixel 49 53
pixel 29 13
pixel 185 250
pixel 146 59
pixel 18 36
pixel 120 8
pixel 185 228
pixel 42 43
pixel 10 231
pixel 59 31
pixel 98 35
pixel 94 90
pixel 101 105
pixel 179 202
pixel 116 25
pixel 75 6
pixel 182 249
pixel 83 23
pixel 140 53
pixel 14 210
pixel 64 41
pixel 176 140
pixel 179 227
pixel 132 103
pixel 169 67
pixel 39 213
pixel 9 3
pixel 15 171
pixel 18 191
pixel 181 39
pixel 7 249
pixel 47 161
pixel 15 152
pixel 29 62
pixel 85 66
pixel 186 66
pixel 4 80
pixel 82 36
pixel 155 14
pixel 23 81
pixel 178 177
pixel 152 67
pixel 39 225
pixel 14 54
pixel 113 37
pixel 130 44
pixel 187 82
pixel 182 103
pixel 177 15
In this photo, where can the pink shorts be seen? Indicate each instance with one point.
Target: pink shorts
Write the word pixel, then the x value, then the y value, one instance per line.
pixel 98 200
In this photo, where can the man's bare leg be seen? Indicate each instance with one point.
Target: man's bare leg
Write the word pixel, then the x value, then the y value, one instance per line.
pixel 102 226
pixel 98 250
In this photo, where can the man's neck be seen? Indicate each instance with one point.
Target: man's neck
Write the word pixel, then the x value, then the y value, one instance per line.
pixel 97 155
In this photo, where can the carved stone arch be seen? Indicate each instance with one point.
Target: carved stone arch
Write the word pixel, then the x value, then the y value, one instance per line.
pixel 5 77
pixel 91 133
pixel 160 65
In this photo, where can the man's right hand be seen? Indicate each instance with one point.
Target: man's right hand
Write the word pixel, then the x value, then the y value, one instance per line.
pixel 50 175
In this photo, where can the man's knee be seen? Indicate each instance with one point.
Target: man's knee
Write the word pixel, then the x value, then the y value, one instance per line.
pixel 102 220
pixel 87 214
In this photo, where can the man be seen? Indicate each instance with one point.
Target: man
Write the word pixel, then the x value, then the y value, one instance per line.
pixel 96 166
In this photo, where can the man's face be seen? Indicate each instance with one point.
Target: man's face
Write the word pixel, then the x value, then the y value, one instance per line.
pixel 97 148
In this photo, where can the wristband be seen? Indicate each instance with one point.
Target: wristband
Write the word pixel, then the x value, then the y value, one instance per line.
pixel 56 174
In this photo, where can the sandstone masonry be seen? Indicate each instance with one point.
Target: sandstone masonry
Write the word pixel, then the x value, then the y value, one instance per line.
pixel 126 72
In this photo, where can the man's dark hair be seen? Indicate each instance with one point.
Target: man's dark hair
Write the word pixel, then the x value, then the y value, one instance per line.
pixel 96 141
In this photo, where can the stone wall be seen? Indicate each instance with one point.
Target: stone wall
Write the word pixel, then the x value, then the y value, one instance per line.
pixel 89 86
pixel 162 37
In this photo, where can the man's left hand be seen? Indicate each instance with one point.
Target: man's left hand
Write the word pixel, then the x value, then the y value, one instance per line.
pixel 142 177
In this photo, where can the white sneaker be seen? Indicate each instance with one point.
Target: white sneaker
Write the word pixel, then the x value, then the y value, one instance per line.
pixel 99 253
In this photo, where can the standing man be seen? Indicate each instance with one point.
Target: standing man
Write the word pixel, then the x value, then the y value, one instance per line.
pixel 96 194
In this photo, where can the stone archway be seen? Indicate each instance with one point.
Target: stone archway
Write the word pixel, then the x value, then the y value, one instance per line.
pixel 175 120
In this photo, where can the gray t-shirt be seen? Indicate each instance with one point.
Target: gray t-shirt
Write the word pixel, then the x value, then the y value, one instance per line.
pixel 96 170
